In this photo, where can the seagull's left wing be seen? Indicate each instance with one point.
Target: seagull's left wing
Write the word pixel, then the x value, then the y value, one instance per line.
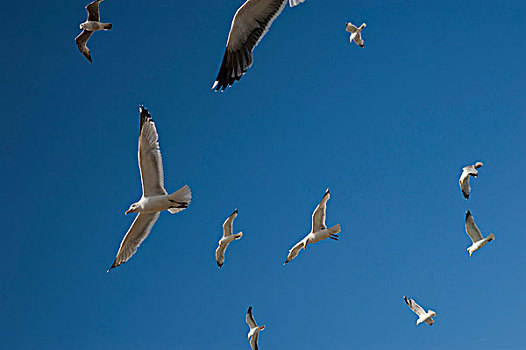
pixel 93 11
pixel 254 340
pixel 250 318
pixel 139 230
pixel 417 309
pixel 471 229
pixel 150 160
pixel 320 213
pixel 82 40
pixel 251 22
pixel 228 226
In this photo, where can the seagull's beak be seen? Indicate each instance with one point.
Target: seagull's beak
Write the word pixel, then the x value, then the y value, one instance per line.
pixel 127 212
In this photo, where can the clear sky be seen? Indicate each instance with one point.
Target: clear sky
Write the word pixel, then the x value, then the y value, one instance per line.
pixel 439 85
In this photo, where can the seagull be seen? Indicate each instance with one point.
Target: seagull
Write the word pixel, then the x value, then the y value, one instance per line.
pixel 154 198
pixel 356 33
pixel 91 25
pixel 470 170
pixel 423 316
pixel 250 24
pixel 474 233
pixel 319 230
pixel 228 237
pixel 254 329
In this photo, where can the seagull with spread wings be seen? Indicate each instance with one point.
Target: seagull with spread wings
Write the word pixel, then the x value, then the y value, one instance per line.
pixel 319 230
pixel 254 329
pixel 423 316
pixel 154 198
pixel 92 24
pixel 228 237
pixel 474 233
pixel 470 170
pixel 356 33
pixel 251 22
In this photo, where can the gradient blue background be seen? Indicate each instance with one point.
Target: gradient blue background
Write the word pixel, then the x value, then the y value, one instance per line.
pixel 440 84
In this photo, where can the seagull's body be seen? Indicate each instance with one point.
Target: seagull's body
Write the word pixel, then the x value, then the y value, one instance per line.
pixel 474 233
pixel 228 237
pixel 319 230
pixel 423 316
pixel 250 24
pixel 356 33
pixel 470 170
pixel 254 329
pixel 91 25
pixel 155 198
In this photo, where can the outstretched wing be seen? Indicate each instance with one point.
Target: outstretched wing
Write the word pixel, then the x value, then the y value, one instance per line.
pixel 471 229
pixel 254 340
pixel 139 230
pixel 320 213
pixel 294 251
pixel 228 225
pixel 82 40
pixel 251 22
pixel 93 11
pixel 250 318
pixel 295 2
pixel 417 309
pixel 150 160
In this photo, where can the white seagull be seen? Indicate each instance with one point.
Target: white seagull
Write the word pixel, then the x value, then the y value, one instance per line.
pixel 470 170
pixel 228 237
pixel 423 316
pixel 474 233
pixel 356 33
pixel 319 230
pixel 91 25
pixel 154 197
pixel 251 22
pixel 254 329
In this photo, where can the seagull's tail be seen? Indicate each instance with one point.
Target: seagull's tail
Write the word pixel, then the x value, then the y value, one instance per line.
pixel 180 199
pixel 335 229
pixel 238 235
pixel 107 26
pixel 490 237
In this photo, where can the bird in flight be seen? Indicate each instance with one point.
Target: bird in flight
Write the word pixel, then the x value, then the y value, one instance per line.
pixel 423 316
pixel 228 237
pixel 254 329
pixel 474 233
pixel 356 33
pixel 91 25
pixel 154 198
pixel 470 170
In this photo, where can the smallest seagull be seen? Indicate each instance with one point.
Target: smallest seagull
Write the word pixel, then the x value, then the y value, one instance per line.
pixel 254 329
pixel 423 316
pixel 474 233
pixel 91 25
pixel 470 170
pixel 228 237
pixel 356 33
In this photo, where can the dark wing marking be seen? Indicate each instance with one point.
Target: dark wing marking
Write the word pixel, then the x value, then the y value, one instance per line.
pixel 82 40
pixel 93 11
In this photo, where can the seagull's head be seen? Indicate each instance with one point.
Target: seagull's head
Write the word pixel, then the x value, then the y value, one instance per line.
pixel 431 313
pixel 81 26
pixel 470 251
pixel 133 208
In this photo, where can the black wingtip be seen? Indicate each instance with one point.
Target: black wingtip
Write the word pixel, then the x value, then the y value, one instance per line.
pixel 406 299
pixel 235 211
pixel 466 195
pixel 468 214
pixel 144 115
pixel 219 265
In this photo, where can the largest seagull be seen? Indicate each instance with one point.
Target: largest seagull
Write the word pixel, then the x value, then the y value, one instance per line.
pixel 251 22
pixel 154 198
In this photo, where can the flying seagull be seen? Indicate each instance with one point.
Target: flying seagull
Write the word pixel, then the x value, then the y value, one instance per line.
pixel 474 233
pixel 356 33
pixel 91 25
pixel 319 230
pixel 254 329
pixel 228 237
pixel 154 197
pixel 423 316
pixel 470 170
pixel 251 22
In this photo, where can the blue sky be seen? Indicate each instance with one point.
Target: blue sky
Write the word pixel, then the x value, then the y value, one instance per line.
pixel 439 84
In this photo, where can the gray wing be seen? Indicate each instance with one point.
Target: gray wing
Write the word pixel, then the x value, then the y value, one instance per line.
pixel 471 229
pixel 150 160
pixel 82 40
pixel 294 251
pixel 228 225
pixel 139 230
pixel 417 309
pixel 254 340
pixel 251 22
pixel 93 11
pixel 250 318
pixel 320 213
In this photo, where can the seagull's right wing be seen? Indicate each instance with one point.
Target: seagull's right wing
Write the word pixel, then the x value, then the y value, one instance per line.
pixel 250 318
pixel 417 309
pixel 471 229
pixel 254 340
pixel 294 251
pixel 150 160
pixel 139 230
pixel 320 213
pixel 228 225
pixel 251 22
pixel 93 11
pixel 82 40
pixel 464 183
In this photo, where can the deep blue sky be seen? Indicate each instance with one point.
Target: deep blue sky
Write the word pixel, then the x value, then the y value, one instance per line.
pixel 439 84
